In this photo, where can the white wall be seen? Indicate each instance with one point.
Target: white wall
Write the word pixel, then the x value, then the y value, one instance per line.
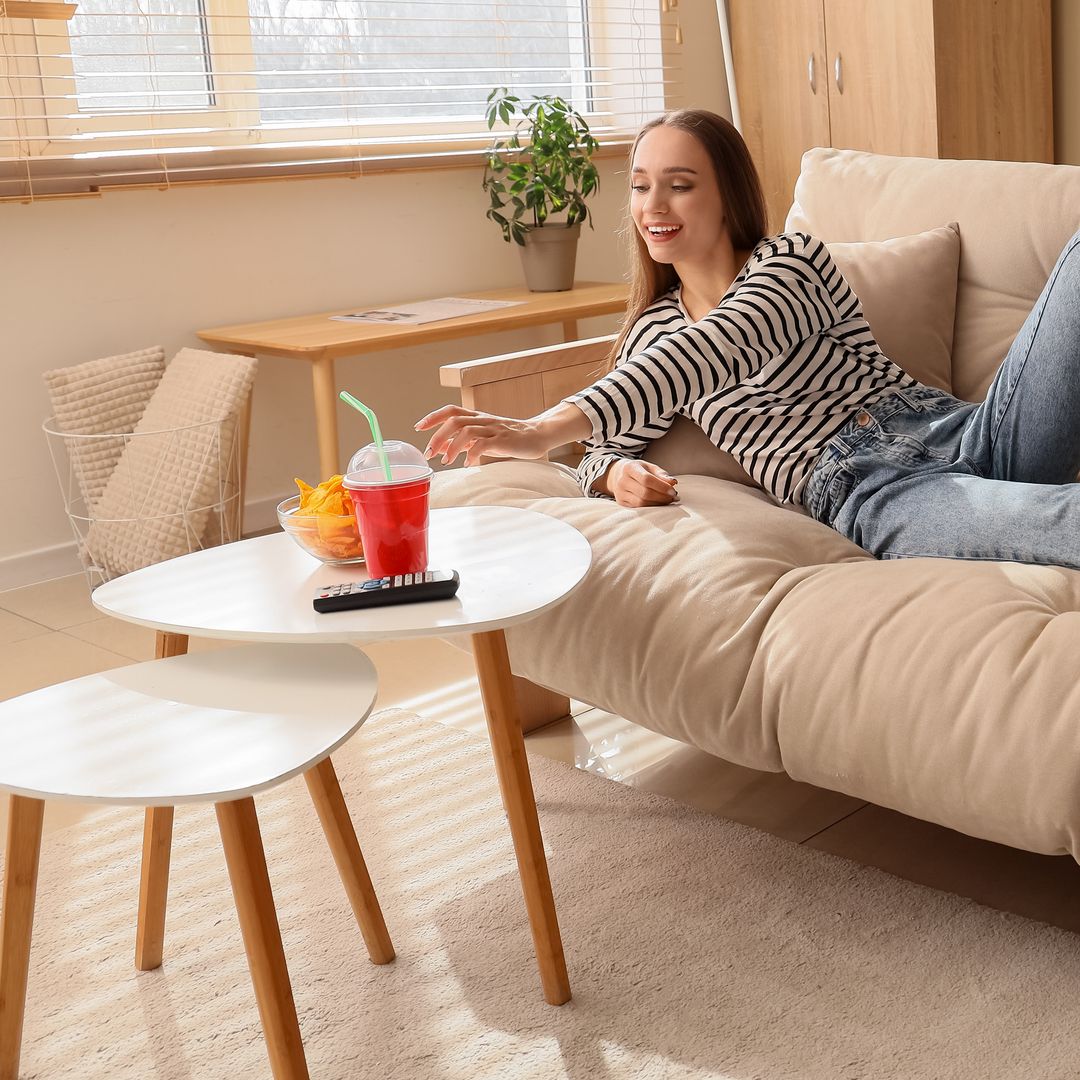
pixel 85 278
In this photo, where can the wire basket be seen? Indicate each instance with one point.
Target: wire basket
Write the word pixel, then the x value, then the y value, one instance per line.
pixel 136 498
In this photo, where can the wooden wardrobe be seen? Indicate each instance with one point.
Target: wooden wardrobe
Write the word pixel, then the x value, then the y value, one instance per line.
pixel 918 78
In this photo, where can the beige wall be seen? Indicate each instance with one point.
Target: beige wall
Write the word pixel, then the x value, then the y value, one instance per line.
pixel 94 277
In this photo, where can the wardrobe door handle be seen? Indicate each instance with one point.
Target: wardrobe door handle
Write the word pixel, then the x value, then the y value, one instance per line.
pixel 812 75
pixel 839 75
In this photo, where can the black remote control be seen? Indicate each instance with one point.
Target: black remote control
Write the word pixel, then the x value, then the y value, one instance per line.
pixel 403 589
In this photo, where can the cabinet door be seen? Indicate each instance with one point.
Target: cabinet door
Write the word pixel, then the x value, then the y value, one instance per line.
pixel 884 98
pixel 994 79
pixel 779 51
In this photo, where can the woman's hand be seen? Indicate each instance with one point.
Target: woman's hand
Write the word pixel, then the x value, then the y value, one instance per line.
pixel 465 431
pixel 640 483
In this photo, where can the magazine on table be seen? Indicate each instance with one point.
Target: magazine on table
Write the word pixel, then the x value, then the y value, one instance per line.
pixel 425 311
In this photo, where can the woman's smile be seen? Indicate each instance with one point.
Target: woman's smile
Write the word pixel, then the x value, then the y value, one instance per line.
pixel 662 232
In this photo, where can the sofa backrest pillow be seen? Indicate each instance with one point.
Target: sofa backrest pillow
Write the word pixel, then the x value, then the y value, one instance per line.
pixel 907 287
pixel 101 398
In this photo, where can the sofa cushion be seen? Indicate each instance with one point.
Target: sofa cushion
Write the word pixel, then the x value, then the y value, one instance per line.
pixel 1014 217
pixel 665 629
pixel 907 287
pixel 941 688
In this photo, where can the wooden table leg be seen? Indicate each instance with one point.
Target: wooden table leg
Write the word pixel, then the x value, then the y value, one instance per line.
pixel 330 805
pixel 246 860
pixel 157 849
pixel 322 377
pixel 511 764
pixel 20 889
pixel 570 330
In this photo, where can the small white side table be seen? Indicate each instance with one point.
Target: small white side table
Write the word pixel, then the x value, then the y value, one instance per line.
pixel 210 728
pixel 514 564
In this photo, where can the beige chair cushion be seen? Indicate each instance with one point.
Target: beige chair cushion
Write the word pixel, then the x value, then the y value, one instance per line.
pixel 100 398
pixel 176 466
pixel 907 287
pixel 940 688
pixel 1014 217
pixel 667 624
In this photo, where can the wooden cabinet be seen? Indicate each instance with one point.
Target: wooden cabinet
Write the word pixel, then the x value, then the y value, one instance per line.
pixel 920 78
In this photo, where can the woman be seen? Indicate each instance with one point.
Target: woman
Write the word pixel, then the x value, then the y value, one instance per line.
pixel 761 342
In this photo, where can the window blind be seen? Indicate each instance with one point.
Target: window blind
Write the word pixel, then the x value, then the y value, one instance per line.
pixel 106 93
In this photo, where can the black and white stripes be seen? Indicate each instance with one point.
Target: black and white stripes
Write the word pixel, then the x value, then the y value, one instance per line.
pixel 769 374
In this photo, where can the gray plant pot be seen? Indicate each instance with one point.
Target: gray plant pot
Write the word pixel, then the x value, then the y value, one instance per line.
pixel 548 257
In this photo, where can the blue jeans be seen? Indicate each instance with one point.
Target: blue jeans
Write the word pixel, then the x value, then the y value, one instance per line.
pixel 922 473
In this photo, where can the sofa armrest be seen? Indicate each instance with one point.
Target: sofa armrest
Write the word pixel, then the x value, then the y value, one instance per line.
pixel 526 383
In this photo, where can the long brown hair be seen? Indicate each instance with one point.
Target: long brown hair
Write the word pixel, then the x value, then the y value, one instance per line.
pixel 740 190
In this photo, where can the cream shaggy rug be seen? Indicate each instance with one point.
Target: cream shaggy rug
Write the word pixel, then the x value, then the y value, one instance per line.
pixel 696 947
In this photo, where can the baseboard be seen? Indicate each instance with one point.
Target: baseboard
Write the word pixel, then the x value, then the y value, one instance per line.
pixel 62 560
pixel 42 564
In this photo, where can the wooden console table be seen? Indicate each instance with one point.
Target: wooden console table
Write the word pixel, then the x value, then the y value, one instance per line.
pixel 320 341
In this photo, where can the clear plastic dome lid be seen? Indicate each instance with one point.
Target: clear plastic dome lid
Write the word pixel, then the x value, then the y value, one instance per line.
pixel 405 461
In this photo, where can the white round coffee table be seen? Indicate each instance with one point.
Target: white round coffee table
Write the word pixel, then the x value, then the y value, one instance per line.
pixel 513 563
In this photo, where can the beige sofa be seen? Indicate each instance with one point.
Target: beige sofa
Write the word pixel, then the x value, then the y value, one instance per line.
pixel 946 690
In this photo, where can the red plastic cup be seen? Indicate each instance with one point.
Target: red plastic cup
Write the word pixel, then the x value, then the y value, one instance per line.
pixel 393 517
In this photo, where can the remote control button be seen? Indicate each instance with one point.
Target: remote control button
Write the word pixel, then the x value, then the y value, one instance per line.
pixel 397 579
pixel 376 584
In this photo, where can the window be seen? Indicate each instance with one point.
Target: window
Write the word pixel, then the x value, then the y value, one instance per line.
pixel 162 91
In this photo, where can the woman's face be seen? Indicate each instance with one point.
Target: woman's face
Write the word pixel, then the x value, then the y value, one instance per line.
pixel 675 200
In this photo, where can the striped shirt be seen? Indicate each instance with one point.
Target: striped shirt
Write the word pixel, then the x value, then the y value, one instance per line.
pixel 770 374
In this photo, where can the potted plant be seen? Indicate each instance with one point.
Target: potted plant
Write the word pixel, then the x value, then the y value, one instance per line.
pixel 538 179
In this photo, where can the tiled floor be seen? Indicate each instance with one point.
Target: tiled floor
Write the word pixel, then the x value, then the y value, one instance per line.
pixel 51 632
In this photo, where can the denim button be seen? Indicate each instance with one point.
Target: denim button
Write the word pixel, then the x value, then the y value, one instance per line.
pixel 862 419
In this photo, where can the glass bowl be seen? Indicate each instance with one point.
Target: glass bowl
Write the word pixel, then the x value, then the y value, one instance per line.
pixel 332 538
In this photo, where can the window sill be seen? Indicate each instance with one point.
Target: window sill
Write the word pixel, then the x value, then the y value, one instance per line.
pixel 78 185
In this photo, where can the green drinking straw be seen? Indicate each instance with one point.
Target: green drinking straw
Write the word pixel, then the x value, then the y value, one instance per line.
pixel 373 422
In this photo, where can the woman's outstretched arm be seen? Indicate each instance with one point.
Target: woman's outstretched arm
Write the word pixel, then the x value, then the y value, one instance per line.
pixel 791 292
